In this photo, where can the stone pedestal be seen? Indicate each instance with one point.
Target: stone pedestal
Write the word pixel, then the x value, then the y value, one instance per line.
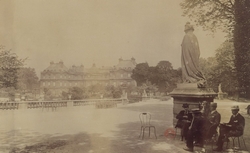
pixel 189 93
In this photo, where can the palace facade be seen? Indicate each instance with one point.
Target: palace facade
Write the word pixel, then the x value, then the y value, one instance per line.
pixel 58 78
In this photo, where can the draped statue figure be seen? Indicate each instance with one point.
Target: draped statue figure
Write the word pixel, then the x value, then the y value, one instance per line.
pixel 190 58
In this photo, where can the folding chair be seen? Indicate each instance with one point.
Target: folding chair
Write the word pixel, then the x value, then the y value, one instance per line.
pixel 145 123
pixel 237 146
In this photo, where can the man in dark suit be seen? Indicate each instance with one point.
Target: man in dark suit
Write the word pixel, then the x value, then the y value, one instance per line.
pixel 212 121
pixel 184 119
pixel 234 127
pixel 195 129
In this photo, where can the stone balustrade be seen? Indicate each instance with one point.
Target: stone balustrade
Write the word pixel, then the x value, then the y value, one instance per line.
pixel 98 103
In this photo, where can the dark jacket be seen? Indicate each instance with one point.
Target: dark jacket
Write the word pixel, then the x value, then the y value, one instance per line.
pixel 211 124
pixel 198 123
pixel 238 124
pixel 213 119
pixel 182 117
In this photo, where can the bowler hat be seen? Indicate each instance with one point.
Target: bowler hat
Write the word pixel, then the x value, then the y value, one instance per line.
pixel 235 107
pixel 185 105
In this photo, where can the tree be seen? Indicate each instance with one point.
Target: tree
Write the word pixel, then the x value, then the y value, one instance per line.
pixel 113 92
pixel 47 94
pixel 242 45
pixel 209 69
pixel 109 91
pixel 140 73
pixel 9 65
pixel 149 87
pixel 233 16
pixel 221 69
pixel 65 95
pixel 211 14
pixel 96 90
pixel 76 93
pixel 168 76
pixel 162 75
pixel 225 58
pixel 27 79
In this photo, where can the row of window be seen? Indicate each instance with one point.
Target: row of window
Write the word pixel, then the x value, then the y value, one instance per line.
pixel 81 77
pixel 61 77
pixel 61 84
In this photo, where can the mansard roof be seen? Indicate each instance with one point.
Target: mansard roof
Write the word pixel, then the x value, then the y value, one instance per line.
pixel 56 67
pixel 59 67
pixel 95 69
pixel 125 64
pixel 76 69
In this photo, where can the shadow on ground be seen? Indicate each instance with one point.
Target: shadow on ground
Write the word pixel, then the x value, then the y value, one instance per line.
pixel 123 140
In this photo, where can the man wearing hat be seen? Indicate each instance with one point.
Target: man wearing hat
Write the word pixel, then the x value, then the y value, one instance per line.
pixel 212 121
pixel 195 129
pixel 234 127
pixel 184 119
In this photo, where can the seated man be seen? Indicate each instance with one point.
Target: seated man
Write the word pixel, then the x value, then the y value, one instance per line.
pixel 195 129
pixel 212 121
pixel 184 119
pixel 234 127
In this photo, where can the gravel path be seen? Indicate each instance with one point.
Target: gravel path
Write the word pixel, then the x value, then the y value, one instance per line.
pixel 85 129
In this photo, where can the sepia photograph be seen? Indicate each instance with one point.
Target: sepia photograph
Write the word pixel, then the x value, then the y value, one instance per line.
pixel 124 76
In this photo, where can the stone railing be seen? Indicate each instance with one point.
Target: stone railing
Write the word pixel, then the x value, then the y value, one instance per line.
pixel 98 103
pixel 9 105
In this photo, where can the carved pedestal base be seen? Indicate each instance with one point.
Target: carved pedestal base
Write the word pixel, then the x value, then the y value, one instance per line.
pixel 189 93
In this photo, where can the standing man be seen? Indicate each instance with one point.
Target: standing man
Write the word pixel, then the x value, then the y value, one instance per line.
pixel 190 58
pixel 184 119
pixel 235 127
pixel 212 121
pixel 195 129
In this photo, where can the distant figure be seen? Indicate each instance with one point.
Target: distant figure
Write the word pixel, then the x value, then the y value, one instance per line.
pixel 235 127
pixel 219 88
pixel 184 120
pixel 190 58
pixel 248 109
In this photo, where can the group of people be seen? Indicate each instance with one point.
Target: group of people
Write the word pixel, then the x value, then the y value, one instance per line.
pixel 200 124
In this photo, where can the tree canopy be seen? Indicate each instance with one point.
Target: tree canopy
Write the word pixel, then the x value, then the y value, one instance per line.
pixel 140 73
pixel 233 16
pixel 211 14
pixel 221 69
pixel 27 79
pixel 162 76
pixel 10 63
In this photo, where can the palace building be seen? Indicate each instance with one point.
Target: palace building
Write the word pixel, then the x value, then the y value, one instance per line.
pixel 58 78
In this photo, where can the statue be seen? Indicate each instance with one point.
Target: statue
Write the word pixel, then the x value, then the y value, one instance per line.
pixel 190 58
pixel 219 88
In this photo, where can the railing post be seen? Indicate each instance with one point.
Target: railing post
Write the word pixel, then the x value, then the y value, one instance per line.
pixel 23 105
pixel 70 103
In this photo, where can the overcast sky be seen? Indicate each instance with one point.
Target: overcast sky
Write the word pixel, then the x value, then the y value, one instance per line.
pixel 97 31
